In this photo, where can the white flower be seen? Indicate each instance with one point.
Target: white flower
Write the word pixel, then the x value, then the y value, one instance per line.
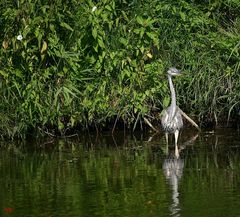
pixel 94 8
pixel 20 37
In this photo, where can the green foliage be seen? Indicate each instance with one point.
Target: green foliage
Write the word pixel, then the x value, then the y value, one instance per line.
pixel 84 63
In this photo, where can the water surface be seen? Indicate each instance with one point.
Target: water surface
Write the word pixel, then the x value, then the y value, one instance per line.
pixel 122 175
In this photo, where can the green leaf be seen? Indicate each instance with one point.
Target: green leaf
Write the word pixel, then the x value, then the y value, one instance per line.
pixel 94 33
pixel 137 31
pixel 182 15
pixel 44 47
pixel 60 125
pixel 166 101
pixel 140 20
pixel 66 26
pixel 123 41
pixel 101 43
pixel 108 7
pixel 95 47
pixel 4 74
pixel 125 16
pixel 142 32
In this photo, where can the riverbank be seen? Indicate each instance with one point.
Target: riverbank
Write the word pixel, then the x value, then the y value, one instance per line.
pixel 74 65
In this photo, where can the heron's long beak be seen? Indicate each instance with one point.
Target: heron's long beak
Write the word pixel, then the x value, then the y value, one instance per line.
pixel 179 73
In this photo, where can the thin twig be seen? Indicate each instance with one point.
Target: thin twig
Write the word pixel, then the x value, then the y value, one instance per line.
pixel 115 123
pixel 189 119
pixel 46 132
pixel 71 135
pixel 135 124
pixel 149 124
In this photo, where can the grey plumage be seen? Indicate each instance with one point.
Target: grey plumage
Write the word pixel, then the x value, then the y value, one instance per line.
pixel 171 124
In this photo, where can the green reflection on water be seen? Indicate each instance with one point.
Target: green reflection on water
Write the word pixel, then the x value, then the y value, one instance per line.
pixel 122 176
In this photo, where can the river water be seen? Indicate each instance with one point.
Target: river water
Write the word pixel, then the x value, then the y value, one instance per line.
pixel 122 175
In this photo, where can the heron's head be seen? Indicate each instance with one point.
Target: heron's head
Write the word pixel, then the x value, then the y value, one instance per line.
pixel 173 71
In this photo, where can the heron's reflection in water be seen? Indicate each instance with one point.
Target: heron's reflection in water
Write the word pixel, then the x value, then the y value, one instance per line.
pixel 173 170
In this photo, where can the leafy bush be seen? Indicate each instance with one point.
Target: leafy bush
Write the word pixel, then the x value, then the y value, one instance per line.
pixel 80 64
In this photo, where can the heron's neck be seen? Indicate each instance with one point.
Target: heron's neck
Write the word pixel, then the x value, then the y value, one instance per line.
pixel 173 105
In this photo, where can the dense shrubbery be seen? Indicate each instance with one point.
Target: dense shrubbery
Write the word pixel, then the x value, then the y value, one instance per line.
pixel 82 63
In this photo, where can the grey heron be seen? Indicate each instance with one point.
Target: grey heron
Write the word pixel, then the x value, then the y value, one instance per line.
pixel 171 117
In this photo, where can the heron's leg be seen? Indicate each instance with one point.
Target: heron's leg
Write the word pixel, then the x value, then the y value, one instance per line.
pixel 176 151
pixel 176 134
pixel 166 135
